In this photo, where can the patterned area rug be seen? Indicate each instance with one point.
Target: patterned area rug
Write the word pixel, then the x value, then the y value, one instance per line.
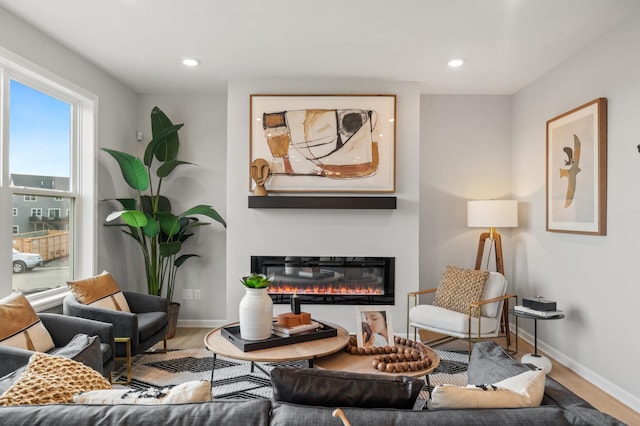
pixel 234 379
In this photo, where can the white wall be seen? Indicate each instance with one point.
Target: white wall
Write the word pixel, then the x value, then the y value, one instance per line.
pixel 392 233
pixel 117 118
pixel 203 141
pixel 465 151
pixel 593 278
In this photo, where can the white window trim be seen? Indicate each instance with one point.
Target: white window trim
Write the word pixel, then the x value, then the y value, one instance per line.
pixel 83 162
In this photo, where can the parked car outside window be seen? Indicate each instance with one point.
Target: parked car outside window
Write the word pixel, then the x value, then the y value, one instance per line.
pixel 25 261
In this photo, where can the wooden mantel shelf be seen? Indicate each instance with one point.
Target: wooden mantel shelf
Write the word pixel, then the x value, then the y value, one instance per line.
pixel 320 202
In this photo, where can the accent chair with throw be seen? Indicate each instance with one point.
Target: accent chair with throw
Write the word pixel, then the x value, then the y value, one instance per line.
pixel 24 332
pixel 139 320
pixel 468 304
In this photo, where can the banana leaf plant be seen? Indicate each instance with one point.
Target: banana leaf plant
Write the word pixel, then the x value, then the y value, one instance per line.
pixel 148 218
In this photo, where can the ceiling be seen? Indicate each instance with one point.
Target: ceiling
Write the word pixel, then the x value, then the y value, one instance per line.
pixel 506 44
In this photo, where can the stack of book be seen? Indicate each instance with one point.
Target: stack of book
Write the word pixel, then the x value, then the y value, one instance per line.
pixel 537 313
pixel 283 331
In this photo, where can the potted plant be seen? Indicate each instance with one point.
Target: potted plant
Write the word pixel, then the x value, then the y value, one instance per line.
pixel 148 218
pixel 256 308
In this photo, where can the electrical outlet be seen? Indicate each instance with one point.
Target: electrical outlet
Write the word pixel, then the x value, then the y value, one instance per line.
pixel 196 294
pixel 187 294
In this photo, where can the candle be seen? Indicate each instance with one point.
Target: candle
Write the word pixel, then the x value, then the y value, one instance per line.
pixel 295 304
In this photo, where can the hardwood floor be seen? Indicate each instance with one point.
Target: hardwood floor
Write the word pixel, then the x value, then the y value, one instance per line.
pixel 194 338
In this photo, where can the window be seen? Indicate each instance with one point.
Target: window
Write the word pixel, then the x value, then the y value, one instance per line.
pixel 49 131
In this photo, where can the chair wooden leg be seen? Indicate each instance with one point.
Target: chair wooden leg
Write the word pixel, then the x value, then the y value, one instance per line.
pixel 165 343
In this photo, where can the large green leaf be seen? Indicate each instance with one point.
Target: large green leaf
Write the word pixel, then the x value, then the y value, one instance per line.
pixel 183 258
pixel 164 205
pixel 152 229
pixel 133 218
pixel 166 143
pixel 168 166
pixel 169 249
pixel 169 223
pixel 205 210
pixel 133 170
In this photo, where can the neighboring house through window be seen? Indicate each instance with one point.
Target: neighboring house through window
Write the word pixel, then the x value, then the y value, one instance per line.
pixel 51 130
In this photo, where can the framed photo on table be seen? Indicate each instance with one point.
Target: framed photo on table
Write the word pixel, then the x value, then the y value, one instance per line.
pixel 325 143
pixel 577 170
pixel 374 326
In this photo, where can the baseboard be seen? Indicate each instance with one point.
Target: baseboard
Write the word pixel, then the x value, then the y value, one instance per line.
pixel 595 379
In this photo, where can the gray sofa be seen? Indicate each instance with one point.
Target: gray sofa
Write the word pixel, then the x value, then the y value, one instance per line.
pixel 489 364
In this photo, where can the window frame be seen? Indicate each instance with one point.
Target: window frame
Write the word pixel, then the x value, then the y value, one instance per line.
pixel 82 180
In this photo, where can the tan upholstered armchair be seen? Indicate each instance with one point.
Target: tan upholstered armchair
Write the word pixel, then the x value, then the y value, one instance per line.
pixel 459 315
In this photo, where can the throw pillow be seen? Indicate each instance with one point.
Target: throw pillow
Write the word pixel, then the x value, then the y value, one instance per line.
pixel 101 291
pixel 51 379
pixel 524 390
pixel 21 326
pixel 194 391
pixel 328 388
pixel 459 287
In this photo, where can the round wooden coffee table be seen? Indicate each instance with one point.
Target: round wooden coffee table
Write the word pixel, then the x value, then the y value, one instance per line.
pixel 344 361
pixel 310 350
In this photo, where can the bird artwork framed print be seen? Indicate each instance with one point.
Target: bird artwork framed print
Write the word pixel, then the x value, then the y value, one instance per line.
pixel 577 170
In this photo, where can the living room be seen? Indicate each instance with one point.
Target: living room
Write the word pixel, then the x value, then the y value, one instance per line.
pixel 451 148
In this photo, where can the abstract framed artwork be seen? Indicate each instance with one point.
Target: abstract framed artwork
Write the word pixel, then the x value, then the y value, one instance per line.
pixel 577 170
pixel 374 326
pixel 325 143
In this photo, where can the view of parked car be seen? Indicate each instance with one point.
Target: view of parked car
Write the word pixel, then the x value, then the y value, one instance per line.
pixel 25 261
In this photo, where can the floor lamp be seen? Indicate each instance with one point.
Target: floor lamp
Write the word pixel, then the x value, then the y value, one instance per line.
pixel 493 214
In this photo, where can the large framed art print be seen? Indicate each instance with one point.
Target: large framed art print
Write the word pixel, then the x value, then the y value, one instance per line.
pixel 325 143
pixel 577 170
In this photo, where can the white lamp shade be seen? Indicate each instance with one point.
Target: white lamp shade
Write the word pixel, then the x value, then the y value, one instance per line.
pixel 492 214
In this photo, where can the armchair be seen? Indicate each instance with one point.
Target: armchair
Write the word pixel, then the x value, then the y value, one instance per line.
pixel 71 337
pixel 134 331
pixel 482 319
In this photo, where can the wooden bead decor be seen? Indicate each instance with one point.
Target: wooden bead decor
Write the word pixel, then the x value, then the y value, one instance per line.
pixel 405 355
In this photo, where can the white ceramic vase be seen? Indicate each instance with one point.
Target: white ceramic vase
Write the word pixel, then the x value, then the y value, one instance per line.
pixel 256 314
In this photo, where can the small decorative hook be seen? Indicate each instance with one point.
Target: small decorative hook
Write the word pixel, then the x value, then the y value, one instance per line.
pixel 638 148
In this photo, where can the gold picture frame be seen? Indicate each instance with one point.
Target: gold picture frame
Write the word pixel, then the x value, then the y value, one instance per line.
pixel 325 143
pixel 577 170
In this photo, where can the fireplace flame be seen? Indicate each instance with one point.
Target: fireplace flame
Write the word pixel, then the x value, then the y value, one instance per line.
pixel 328 289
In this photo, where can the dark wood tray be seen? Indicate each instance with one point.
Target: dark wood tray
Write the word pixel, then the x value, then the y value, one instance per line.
pixel 233 335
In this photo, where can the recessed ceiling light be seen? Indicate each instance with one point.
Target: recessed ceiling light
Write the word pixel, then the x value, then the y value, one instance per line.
pixel 190 62
pixel 454 63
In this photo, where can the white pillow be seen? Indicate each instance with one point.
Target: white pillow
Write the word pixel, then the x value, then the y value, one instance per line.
pixel 194 391
pixel 524 390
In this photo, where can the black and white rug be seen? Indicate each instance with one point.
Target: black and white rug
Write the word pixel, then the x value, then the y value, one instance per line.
pixel 234 379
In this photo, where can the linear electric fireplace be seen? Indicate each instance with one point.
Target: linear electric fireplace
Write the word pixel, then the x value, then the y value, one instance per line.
pixel 329 280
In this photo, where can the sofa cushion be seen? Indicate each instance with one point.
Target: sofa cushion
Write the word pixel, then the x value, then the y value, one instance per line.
pixel 344 389
pixel 192 391
pixel 100 291
pixel 494 287
pixel 524 390
pixel 21 327
pixel 490 363
pixel 450 321
pixel 51 379
pixel 459 287
pixel 84 349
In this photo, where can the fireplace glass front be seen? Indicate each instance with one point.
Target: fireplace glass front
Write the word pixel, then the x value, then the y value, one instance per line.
pixel 329 280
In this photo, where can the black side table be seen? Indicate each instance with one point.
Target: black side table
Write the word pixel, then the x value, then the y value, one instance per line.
pixel 535 358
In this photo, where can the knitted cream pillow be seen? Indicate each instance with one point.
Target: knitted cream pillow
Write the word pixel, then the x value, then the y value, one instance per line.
pixel 50 379
pixel 100 291
pixel 459 287
pixel 20 326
